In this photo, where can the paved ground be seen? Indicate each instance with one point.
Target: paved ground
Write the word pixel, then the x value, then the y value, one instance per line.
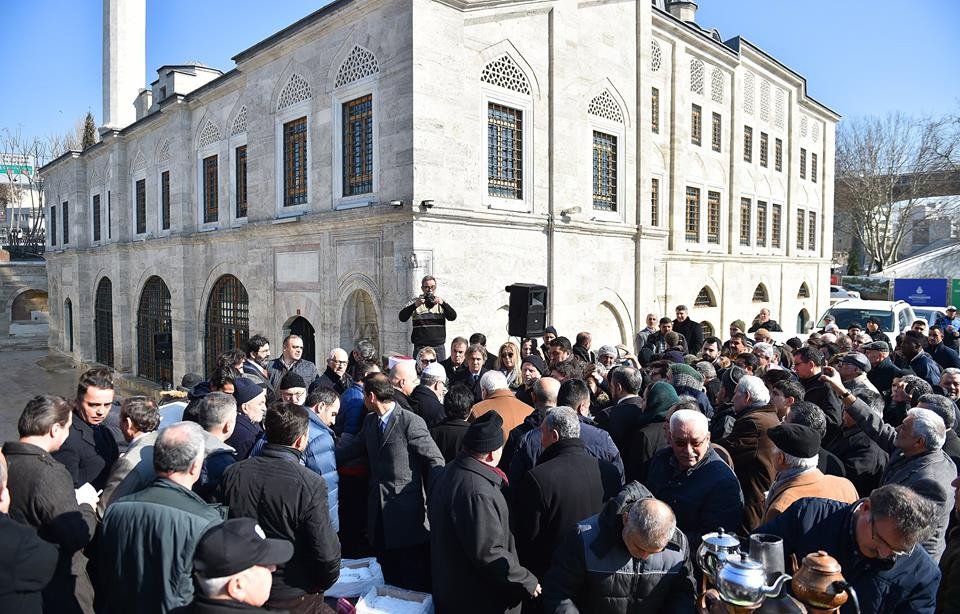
pixel 26 373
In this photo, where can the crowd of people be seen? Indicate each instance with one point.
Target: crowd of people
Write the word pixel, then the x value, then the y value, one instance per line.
pixel 546 476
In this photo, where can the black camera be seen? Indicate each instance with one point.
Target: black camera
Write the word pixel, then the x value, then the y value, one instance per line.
pixel 429 300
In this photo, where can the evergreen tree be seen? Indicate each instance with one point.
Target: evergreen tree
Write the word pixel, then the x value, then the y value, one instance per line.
pixel 89 132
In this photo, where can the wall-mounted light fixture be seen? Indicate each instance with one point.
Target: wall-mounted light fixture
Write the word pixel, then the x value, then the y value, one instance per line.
pixel 570 211
pixel 396 204
pixel 426 204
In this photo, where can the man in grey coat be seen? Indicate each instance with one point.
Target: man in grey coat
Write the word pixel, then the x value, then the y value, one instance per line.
pixel 916 457
pixel 133 471
pixel 403 460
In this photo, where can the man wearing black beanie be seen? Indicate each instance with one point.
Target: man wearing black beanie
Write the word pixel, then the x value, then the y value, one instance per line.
pixel 473 554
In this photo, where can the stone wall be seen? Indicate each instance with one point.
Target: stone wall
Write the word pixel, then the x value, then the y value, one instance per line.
pixel 16 279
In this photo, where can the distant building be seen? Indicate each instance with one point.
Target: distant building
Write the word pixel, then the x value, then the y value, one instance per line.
pixel 618 153
pixel 21 209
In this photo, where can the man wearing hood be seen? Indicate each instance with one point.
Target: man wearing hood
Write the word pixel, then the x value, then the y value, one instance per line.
pixel 650 437
pixel 687 381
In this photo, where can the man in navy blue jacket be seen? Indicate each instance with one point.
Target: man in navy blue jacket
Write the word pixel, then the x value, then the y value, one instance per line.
pixel 875 540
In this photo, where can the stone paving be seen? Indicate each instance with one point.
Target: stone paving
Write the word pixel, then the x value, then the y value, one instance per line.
pixel 26 373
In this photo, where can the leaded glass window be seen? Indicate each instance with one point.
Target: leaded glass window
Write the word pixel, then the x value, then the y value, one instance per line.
pixel 165 200
pixel 745 206
pixel 103 322
pixel 604 171
pixel 812 231
pixel 747 144
pixel 504 151
pixel 801 221
pixel 764 146
pixel 761 223
pixel 692 218
pixel 776 215
pixel 654 202
pixel 240 170
pixel 696 124
pixel 210 190
pixel 140 194
pixel 65 211
pixel 803 163
pixel 813 167
pixel 655 110
pixel 713 218
pixel 778 155
pixel 357 146
pixel 96 217
pixel 294 164
pixel 715 133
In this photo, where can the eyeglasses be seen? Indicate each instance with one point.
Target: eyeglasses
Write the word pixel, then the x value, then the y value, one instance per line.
pixel 506 355
pixel 427 361
pixel 894 553
pixel 339 362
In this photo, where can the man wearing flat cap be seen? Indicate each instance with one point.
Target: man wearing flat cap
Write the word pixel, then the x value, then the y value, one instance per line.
pixel 882 370
pixel 854 368
pixel 795 457
pixel 233 564
pixel 473 554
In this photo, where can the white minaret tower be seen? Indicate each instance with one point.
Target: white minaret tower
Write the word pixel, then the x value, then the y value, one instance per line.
pixel 124 60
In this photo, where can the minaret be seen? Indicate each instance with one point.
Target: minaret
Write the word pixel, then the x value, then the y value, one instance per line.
pixel 684 10
pixel 124 60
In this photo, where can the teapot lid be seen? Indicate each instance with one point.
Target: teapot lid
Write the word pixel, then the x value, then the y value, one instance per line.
pixel 744 562
pixel 821 562
pixel 721 539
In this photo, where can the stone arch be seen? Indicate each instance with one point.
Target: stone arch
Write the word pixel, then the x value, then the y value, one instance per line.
pixel 103 321
pixel 803 317
pixel 507 48
pixel 804 291
pixel 348 288
pixel 304 328
pixel 139 162
pixel 208 132
pixel 761 294
pixel 359 319
pixel 705 298
pixel 162 155
pixel 607 311
pixel 292 69
pixel 606 86
pixel 226 322
pixel 238 119
pixel 708 329
pixel 659 162
pixel 360 63
pixel 27 301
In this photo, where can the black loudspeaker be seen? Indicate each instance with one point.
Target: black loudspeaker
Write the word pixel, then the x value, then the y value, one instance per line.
pixel 162 346
pixel 528 310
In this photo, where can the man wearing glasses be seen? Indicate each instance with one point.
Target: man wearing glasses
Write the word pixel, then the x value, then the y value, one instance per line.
pixel 874 540
pixel 336 374
pixel 430 314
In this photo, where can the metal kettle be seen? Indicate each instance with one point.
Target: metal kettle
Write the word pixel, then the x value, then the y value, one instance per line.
pixel 741 581
pixel 714 550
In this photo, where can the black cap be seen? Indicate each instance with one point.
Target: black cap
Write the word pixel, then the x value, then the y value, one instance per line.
pixel 190 380
pixel 291 380
pixel 235 545
pixel 485 434
pixel 796 439
pixel 537 362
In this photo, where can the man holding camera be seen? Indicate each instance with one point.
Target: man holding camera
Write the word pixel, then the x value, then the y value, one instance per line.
pixel 430 313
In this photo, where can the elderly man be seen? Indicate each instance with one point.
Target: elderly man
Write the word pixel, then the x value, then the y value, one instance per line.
pixel 853 368
pixel 251 405
pixel 290 502
pixel 90 450
pixel 403 377
pixel 943 407
pixel 950 388
pixel 139 421
pixel 581 349
pixel 694 480
pixel 498 397
pixel 921 363
pixel 335 376
pixel 292 361
pixel 882 370
pixel 808 414
pixel 42 495
pixel 631 557
pixel 258 357
pixel 148 538
pixel 795 455
pixel 656 343
pixel 763 321
pixel 233 563
pixel 751 449
pixel 544 396
pixel 473 554
pixel 916 457
pixel 427 397
pixel 644 333
pixel 217 416
pixel 403 461
pixel 874 540
pixel 430 316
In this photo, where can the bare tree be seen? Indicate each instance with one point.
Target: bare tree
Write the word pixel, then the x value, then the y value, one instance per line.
pixel 885 169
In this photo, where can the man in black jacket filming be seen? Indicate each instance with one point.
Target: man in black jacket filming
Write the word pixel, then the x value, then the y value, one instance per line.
pixel 430 314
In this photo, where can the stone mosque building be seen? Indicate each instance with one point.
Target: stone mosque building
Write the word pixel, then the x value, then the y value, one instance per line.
pixel 616 152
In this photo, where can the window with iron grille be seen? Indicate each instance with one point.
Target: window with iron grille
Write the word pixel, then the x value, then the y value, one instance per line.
pixel 140 196
pixel 65 211
pixel 227 321
pixel 357 146
pixel 655 110
pixel 778 155
pixel 804 291
pixel 801 220
pixel 153 324
pixel 241 174
pixel 803 163
pixel 165 200
pixel 96 217
pixel 745 206
pixel 294 164
pixel 761 223
pixel 812 231
pixel 760 294
pixel 704 298
pixel 713 218
pixel 763 149
pixel 103 322
pixel 504 151
pixel 813 167
pixel 692 218
pixel 604 171
pixel 715 133
pixel 776 214
pixel 53 225
pixel 109 216
pixel 654 202
pixel 210 190
pixel 696 124
pixel 747 144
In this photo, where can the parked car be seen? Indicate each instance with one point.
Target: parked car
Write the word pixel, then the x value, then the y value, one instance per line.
pixel 839 292
pixel 895 317
pixel 931 314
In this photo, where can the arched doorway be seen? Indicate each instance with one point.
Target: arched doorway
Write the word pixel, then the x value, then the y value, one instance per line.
pixel 802 318
pixel 304 329
pixel 68 324
pixel 359 321
pixel 26 303
pixel 103 322
pixel 154 332
pixel 227 320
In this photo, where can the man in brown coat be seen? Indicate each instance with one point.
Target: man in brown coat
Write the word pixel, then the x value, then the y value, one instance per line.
pixel 796 455
pixel 498 397
pixel 751 449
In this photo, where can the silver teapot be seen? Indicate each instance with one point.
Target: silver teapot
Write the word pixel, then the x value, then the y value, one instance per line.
pixel 741 581
pixel 714 550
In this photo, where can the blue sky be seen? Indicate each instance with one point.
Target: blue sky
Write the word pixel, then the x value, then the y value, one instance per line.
pixel 860 57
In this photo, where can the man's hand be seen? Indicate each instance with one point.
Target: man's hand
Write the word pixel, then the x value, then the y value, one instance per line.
pixel 419 301
pixel 536 592
pixel 438 300
pixel 831 377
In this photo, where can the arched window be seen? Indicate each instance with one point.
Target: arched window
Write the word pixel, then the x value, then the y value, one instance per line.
pixel 705 298
pixel 707 329
pixel 154 328
pixel 804 291
pixel 103 322
pixel 68 324
pixel 227 321
pixel 760 294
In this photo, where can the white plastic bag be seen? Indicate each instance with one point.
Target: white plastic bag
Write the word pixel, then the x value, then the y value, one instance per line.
pixel 357 576
pixel 388 599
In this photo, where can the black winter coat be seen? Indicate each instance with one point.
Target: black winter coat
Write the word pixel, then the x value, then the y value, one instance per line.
pixel 596 440
pixel 329 379
pixel 594 573
pixel 882 375
pixel 645 443
pixel 944 356
pixel 473 555
pixel 692 332
pixel 448 436
pixel 625 418
pixel 204 605
pixel 907 586
pixel 566 486
pixel 289 502
pixel 819 394
pixel 27 564
pixel 426 405
pixel 245 435
pixel 88 453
